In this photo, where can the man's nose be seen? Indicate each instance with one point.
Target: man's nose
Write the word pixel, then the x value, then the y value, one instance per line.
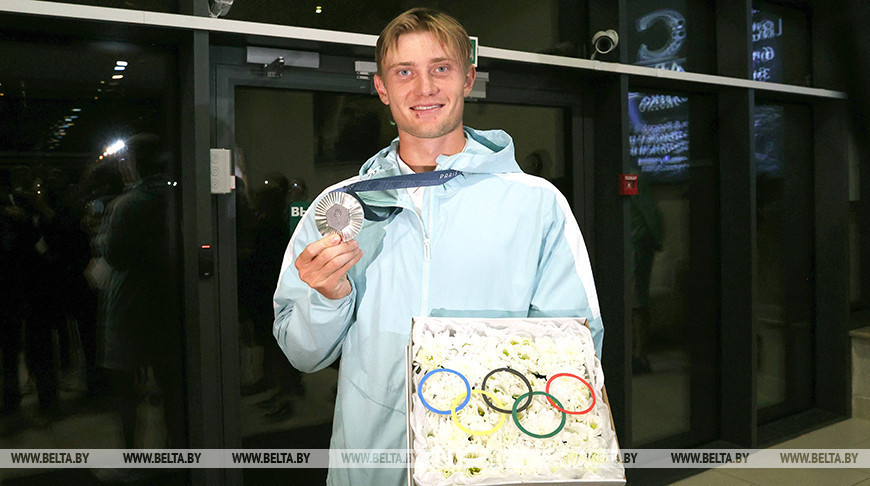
pixel 426 84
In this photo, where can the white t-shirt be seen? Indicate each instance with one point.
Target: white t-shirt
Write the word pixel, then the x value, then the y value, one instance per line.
pixel 416 193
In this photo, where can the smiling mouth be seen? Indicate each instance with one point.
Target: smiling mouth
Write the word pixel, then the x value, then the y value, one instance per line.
pixel 425 107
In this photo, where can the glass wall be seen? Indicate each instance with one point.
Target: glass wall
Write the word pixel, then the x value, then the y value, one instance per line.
pixel 91 322
pixel 539 137
pixel 784 248
pixel 674 268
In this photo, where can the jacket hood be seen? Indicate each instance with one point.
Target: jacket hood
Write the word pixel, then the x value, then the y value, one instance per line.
pixel 486 151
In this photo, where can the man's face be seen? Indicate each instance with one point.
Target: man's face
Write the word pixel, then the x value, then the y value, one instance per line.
pixel 424 85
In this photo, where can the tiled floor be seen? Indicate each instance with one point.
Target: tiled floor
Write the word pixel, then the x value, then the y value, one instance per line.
pixel 848 434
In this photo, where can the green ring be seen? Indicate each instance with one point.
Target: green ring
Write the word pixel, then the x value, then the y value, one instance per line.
pixel 543 436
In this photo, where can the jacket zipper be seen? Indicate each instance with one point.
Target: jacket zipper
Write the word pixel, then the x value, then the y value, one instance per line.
pixel 424 301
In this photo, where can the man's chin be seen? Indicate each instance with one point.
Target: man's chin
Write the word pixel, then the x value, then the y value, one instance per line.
pixel 429 132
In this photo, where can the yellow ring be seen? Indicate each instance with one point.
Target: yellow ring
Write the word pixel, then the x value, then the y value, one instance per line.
pixel 472 432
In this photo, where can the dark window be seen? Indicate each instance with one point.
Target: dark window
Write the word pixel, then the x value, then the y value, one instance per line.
pixel 91 322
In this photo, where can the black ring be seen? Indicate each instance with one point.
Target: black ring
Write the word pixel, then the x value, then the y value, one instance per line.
pixel 515 372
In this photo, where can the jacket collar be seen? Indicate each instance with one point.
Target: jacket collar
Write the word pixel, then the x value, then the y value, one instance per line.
pixel 486 152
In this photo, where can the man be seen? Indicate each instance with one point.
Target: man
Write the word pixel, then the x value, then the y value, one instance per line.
pixel 492 242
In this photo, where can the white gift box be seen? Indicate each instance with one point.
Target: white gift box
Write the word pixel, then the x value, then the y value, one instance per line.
pixel 584 452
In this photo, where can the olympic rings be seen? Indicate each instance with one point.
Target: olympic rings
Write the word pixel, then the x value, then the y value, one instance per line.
pixel 559 407
pixel 454 408
pixel 476 432
pixel 512 371
pixel 538 436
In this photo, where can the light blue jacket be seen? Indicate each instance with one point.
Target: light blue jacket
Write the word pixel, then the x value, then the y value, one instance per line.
pixel 494 242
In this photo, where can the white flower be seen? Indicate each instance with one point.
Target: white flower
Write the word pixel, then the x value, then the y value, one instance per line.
pixel 448 455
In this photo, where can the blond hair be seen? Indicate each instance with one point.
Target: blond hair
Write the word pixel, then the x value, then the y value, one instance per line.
pixel 445 28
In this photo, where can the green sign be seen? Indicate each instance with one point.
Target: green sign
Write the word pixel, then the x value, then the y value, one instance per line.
pixel 474 48
pixel 296 211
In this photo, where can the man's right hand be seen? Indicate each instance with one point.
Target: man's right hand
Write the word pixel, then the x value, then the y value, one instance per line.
pixel 323 265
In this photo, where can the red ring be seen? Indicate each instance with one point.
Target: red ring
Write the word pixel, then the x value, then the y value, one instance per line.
pixel 572 376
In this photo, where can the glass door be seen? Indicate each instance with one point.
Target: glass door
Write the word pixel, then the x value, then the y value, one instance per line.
pixel 292 134
pixel 674 248
pixel 92 329
pixel 784 269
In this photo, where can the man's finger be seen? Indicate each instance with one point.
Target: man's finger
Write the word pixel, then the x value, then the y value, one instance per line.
pixel 338 262
pixel 332 281
pixel 312 250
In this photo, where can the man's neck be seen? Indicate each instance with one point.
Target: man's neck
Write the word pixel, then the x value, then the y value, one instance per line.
pixel 421 154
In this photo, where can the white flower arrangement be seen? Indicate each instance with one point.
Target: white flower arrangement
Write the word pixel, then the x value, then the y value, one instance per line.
pixel 476 444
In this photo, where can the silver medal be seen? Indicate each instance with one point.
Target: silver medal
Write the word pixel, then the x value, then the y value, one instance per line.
pixel 339 212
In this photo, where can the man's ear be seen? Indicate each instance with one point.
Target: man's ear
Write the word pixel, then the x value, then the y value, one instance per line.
pixel 470 76
pixel 381 88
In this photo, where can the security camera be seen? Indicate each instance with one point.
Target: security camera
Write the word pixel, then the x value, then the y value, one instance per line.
pixel 604 41
pixel 219 8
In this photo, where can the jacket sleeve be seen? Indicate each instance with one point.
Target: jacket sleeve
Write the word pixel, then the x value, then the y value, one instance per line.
pixel 309 327
pixel 565 286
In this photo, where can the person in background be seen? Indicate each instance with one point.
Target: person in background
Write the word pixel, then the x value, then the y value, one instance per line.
pixel 140 308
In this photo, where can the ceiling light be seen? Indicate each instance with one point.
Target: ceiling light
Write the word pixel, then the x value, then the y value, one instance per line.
pixel 121 63
pixel 120 68
pixel 118 76
pixel 318 9
pixel 118 145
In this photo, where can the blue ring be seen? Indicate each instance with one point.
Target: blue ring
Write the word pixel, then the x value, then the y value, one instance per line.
pixel 443 412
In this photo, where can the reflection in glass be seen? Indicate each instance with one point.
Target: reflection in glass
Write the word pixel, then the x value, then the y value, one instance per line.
pixel 538 133
pixel 290 146
pixel 661 361
pixel 659 136
pixel 766 44
pixel 784 245
pixel 780 44
pixel 92 338
pixel 658 34
pixel 673 268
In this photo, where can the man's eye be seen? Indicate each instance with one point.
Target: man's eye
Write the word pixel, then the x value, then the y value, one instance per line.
pixel 404 72
pixel 441 69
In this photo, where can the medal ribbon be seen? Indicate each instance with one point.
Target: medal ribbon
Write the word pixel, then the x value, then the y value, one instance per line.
pixel 422 179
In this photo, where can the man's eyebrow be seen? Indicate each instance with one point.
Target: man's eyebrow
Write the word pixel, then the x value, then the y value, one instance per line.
pixel 403 63
pixel 434 60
